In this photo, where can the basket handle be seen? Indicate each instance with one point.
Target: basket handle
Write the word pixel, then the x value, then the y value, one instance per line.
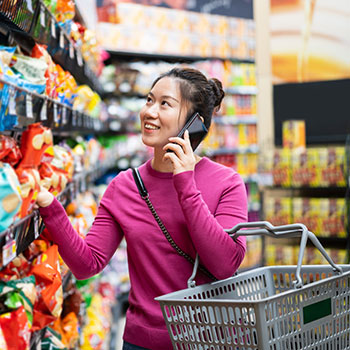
pixel 264 228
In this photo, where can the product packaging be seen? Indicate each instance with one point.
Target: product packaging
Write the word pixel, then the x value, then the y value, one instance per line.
pixel 294 134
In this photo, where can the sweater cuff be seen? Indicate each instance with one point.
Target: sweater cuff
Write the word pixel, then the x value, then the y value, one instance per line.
pixel 50 209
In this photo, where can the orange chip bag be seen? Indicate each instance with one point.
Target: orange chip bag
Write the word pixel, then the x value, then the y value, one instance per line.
pixel 29 180
pixel 48 306
pixel 36 145
pixel 16 330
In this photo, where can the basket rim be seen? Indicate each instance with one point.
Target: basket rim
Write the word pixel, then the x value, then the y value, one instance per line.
pixel 172 297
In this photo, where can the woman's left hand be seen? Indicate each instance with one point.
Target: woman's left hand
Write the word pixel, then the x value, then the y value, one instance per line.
pixel 182 157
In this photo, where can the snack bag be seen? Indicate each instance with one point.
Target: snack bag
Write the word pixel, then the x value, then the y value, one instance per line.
pixel 29 180
pixel 70 328
pixel 10 196
pixel 51 178
pixel 52 341
pixel 16 330
pixel 18 268
pixel 9 150
pixel 48 305
pixel 36 145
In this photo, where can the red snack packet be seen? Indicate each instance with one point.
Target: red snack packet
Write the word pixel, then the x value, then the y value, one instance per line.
pixel 9 150
pixel 16 329
pixel 48 306
pixel 29 180
pixel 36 145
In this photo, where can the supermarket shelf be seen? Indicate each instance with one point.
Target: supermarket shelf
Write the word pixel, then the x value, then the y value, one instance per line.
pixel 26 230
pixel 31 107
pixel 236 120
pixel 307 191
pixel 148 57
pixel 252 149
pixel 242 90
pixel 42 27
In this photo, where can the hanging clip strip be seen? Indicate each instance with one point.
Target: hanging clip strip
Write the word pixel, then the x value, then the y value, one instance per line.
pixel 140 185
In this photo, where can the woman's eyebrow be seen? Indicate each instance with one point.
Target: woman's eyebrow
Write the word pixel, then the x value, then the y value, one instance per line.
pixel 164 96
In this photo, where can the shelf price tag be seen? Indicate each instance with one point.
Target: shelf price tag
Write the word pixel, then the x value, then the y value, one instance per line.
pixel 64 115
pixel 74 118
pixel 79 58
pixel 9 250
pixel 42 16
pixel 43 112
pixel 71 50
pixel 12 102
pixel 61 40
pixel 55 114
pixel 29 106
pixel 36 226
pixel 30 6
pixel 53 28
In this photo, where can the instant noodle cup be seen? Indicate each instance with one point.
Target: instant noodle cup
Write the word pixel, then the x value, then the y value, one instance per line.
pixel 10 196
pixel 36 145
pixel 29 180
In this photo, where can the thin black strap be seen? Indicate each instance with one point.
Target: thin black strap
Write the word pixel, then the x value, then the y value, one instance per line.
pixel 145 196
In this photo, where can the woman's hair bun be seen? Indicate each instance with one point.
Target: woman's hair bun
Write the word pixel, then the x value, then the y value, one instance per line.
pixel 218 91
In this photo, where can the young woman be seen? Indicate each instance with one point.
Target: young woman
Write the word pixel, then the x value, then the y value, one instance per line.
pixel 195 198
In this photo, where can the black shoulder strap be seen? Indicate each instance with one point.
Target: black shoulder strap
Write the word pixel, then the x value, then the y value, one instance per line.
pixel 139 183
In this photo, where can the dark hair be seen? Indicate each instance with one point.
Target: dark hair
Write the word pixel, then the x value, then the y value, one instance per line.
pixel 201 94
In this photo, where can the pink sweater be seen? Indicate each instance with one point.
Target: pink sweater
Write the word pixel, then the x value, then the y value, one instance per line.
pixel 195 206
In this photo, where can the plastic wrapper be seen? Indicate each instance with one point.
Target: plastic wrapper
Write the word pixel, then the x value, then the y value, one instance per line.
pixel 36 145
pixel 52 341
pixel 48 305
pixel 18 268
pixel 52 178
pixel 7 118
pixel 30 69
pixel 9 150
pixel 16 330
pixel 51 5
pixel 10 196
pixel 29 180
pixel 35 248
pixel 51 73
pixel 6 53
pixel 65 10
pixel 63 160
pixel 66 87
pixel 70 327
pixel 16 322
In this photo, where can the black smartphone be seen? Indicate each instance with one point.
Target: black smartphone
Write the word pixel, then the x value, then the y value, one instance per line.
pixel 196 129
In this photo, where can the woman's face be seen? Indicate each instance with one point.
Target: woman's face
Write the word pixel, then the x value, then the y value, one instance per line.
pixel 162 116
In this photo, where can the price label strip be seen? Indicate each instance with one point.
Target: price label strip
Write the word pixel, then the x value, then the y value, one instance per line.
pixel 61 40
pixel 64 115
pixel 43 112
pixel 55 114
pixel 9 251
pixel 36 226
pixel 12 102
pixel 42 16
pixel 29 106
pixel 53 28
pixel 30 6
pixel 71 51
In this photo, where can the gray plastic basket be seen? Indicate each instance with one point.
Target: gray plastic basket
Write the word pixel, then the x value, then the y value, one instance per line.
pixel 268 308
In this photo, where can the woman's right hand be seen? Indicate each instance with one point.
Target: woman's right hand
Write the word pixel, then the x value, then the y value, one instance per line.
pixel 44 198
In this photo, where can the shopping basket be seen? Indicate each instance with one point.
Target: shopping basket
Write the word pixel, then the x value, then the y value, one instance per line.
pixel 269 308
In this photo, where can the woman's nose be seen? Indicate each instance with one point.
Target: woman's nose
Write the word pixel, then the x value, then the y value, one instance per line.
pixel 152 111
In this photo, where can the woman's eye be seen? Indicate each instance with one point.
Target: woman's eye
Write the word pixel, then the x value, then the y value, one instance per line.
pixel 165 103
pixel 149 99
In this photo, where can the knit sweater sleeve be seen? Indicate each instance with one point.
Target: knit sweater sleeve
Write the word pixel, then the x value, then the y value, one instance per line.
pixel 85 257
pixel 219 253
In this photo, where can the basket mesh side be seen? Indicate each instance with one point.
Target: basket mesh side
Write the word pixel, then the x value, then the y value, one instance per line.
pixel 316 317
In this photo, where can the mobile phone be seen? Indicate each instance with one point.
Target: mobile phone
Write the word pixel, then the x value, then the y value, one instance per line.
pixel 196 129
